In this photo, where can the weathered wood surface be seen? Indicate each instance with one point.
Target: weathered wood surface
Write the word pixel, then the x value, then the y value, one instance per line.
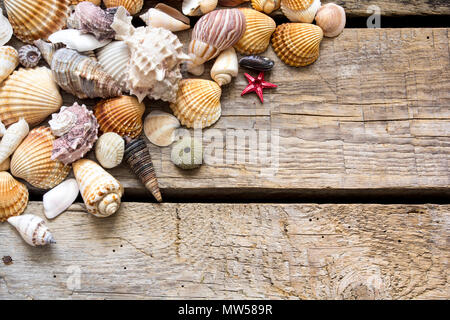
pixel 305 251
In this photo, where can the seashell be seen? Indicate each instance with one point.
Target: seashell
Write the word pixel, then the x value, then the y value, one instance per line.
pixel 138 157
pixel 300 10
pixel 13 196
pixel 198 7
pixel 77 40
pixel 31 94
pixel 36 19
pixel 331 18
pixel 198 103
pixel 132 6
pixel 101 192
pixel 6 30
pixel 213 33
pixel 267 6
pixel 159 128
pixel 32 229
pixel 109 150
pixel 4 166
pixel 187 153
pixel 225 67
pixel 114 60
pixel 259 29
pixel 163 16
pixel 48 49
pixel 258 63
pixel 121 115
pixel 231 3
pixel 156 55
pixel 29 56
pixel 297 44
pixel 75 2
pixel 12 138
pixel 32 160
pixel 80 137
pixel 9 60
pixel 61 197
pixel 62 122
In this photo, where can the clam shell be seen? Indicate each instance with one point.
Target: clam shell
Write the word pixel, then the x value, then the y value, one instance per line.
pixel 36 19
pixel 267 6
pixel 259 63
pixel 132 6
pixel 9 60
pixel 297 44
pixel 163 16
pixel 32 229
pixel 198 103
pixel 13 196
pixel 12 138
pixel 77 40
pixel 331 18
pixel 300 10
pixel 259 29
pixel 6 30
pixel 61 197
pixel 101 192
pixel 160 127
pixel 114 59
pixel 187 153
pixel 31 94
pixel 29 56
pixel 121 115
pixel 109 150
pixel 32 160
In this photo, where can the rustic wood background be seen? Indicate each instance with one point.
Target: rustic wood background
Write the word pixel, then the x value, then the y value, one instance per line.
pixel 371 116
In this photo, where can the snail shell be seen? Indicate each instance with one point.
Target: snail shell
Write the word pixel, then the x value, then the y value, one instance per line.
pixel 29 56
pixel 9 60
pixel 225 67
pixel 32 229
pixel 61 197
pixel 13 196
pixel 109 150
pixel 12 138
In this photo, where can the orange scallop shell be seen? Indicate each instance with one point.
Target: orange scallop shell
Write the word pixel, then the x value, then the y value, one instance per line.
pixel 132 6
pixel 13 196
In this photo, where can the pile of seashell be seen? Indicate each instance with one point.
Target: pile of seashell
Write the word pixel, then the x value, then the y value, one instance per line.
pixel 92 50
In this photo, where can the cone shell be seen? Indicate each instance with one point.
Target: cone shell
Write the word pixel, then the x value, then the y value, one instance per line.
pixel 32 229
pixel 6 30
pixel 114 59
pixel 132 6
pixel 109 150
pixel 13 196
pixel 32 160
pixel 267 6
pixel 259 29
pixel 36 19
pixel 121 115
pixel 300 10
pixel 57 200
pixel 9 60
pixel 159 128
pixel 198 103
pixel 31 94
pixel 101 192
pixel 297 44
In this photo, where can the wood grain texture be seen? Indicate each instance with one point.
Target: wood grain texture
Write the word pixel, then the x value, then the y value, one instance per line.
pixel 305 251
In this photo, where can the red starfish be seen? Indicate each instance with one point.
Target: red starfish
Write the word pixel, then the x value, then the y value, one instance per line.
pixel 257 85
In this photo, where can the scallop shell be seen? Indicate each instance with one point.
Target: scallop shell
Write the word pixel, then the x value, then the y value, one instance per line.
pixel 121 115
pixel 12 138
pixel 109 150
pixel 31 94
pixel 32 160
pixel 187 153
pixel 6 30
pixel 160 127
pixel 267 6
pixel 213 33
pixel 259 29
pixel 61 197
pixel 29 56
pixel 36 19
pixel 225 67
pixel 163 16
pixel 198 103
pixel 138 157
pixel 198 7
pixel 297 44
pixel 77 40
pixel 9 60
pixel 132 6
pixel 13 196
pixel 114 60
pixel 300 10
pixel 32 229
pixel 101 192
pixel 331 18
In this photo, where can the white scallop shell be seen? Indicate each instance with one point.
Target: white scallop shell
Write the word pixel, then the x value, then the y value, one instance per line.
pixel 6 30
pixel 61 197
pixel 12 138
pixel 114 59
pixel 75 39
pixel 32 229
pixel 159 128
pixel 109 150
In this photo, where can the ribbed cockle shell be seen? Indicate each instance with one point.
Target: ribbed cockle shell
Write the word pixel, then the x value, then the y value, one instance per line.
pixel 132 6
pixel 13 196
pixel 61 197
pixel 300 10
pixel 12 138
pixel 109 150
pixel 266 6
pixel 9 60
pixel 114 59
pixel 32 229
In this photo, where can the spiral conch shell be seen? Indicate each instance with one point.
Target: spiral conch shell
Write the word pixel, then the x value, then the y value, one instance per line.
pixel 32 229
pixel 6 30
pixel 29 56
pixel 132 6
pixel 109 150
pixel 160 127
pixel 297 44
pixel 267 6
pixel 32 160
pixel 213 33
pixel 13 196
pixel 331 18
pixel 9 60
pixel 36 19
pixel 198 103
pixel 225 67
pixel 300 10
pixel 61 197
pixel 101 192
pixel 198 7
pixel 29 93
pixel 259 29
pixel 163 16
pixel 12 138
pixel 121 115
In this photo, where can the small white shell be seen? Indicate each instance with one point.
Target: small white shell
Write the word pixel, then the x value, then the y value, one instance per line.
pixel 75 39
pixel 6 30
pixel 61 197
pixel 12 138
pixel 109 150
pixel 163 16
pixel 32 229
pixel 114 59
pixel 9 60
pixel 159 128
pixel 226 67
pixel 198 7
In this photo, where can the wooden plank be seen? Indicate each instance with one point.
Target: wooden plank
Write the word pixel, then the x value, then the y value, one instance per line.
pixel 285 251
